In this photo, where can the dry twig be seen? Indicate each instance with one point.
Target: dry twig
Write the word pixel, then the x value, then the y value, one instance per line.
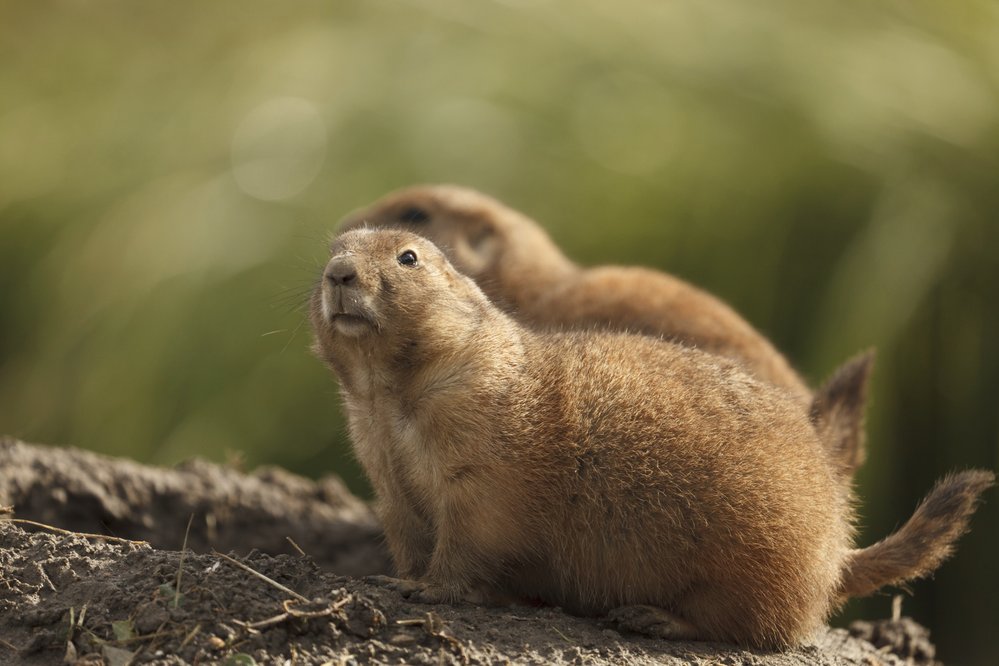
pixel 180 567
pixel 261 576
pixel 85 535
pixel 296 546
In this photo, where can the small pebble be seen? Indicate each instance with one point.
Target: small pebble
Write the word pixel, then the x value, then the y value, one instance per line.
pixel 402 639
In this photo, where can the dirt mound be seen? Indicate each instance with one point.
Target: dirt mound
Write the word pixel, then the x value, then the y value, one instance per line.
pixel 901 636
pixel 66 598
pixel 85 492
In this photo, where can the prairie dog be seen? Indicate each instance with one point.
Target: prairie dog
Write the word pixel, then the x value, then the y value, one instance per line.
pixel 595 471
pixel 521 269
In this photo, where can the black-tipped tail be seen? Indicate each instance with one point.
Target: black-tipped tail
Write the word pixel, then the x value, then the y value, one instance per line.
pixel 923 543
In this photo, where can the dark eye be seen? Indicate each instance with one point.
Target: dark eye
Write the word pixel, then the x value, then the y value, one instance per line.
pixel 407 258
pixel 414 215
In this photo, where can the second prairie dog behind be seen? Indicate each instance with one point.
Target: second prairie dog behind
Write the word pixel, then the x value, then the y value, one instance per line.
pixel 521 269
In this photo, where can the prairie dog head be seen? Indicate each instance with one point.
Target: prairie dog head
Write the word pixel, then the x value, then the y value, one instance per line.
pixel 481 236
pixel 389 289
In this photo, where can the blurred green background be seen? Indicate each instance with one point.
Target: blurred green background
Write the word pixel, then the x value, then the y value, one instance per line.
pixel 169 173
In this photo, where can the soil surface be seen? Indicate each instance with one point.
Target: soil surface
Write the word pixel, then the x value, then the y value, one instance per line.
pixel 86 492
pixel 140 597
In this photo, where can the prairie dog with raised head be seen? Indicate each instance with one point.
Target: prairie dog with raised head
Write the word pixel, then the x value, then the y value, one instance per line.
pixel 594 471
pixel 521 269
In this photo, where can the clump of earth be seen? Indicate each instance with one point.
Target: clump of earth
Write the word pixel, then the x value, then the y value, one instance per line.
pixel 278 569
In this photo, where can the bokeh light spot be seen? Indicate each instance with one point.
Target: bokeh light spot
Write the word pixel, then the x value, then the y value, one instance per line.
pixel 279 148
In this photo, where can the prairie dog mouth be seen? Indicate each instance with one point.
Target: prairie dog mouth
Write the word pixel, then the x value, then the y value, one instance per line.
pixel 335 311
pixel 349 324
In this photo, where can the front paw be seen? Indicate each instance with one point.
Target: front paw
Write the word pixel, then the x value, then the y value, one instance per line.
pixel 404 586
pixel 414 590
pixel 442 594
pixel 428 593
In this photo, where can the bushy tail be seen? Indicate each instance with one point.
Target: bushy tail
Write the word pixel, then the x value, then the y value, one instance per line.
pixel 923 543
pixel 838 414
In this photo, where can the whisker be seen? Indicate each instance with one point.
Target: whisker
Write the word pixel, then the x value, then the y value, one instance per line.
pixel 297 290
pixel 303 287
pixel 290 292
pixel 290 295
pixel 309 262
pixel 293 334
pixel 290 308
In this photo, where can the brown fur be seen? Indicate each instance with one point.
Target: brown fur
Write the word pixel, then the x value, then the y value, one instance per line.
pixel 519 267
pixel 588 470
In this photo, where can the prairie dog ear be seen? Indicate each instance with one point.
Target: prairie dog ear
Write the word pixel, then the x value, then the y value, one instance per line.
pixel 477 250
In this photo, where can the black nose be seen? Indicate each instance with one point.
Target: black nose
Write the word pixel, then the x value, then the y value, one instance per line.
pixel 341 271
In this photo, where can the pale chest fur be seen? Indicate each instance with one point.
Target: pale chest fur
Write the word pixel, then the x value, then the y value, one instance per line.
pixel 404 438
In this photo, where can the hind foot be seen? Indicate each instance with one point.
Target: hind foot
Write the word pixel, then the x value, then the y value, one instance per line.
pixel 653 621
